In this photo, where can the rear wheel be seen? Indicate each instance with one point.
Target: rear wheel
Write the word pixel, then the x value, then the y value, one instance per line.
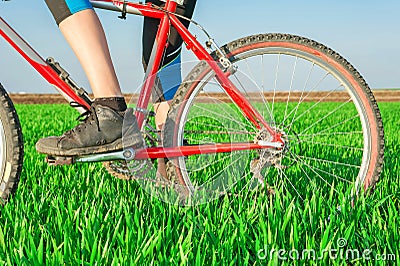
pixel 11 147
pixel 310 94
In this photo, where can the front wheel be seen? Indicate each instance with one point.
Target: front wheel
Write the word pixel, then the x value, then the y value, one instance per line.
pixel 321 105
pixel 11 147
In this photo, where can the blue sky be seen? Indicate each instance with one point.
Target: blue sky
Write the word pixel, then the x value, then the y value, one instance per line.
pixel 365 32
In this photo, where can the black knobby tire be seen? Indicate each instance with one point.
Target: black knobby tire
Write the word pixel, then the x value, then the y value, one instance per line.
pixel 11 150
pixel 367 137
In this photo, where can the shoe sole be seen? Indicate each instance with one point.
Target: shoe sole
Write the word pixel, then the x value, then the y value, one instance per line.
pixel 113 146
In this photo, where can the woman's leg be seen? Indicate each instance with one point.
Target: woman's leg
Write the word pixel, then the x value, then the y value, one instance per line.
pixel 82 29
pixel 101 131
pixel 85 35
pixel 170 76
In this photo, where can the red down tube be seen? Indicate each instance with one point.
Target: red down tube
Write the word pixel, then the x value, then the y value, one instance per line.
pixel 37 62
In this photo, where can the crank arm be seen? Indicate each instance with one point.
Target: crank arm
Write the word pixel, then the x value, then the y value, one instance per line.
pixel 127 154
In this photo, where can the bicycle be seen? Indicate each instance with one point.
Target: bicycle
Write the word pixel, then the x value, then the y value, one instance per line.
pixel 268 110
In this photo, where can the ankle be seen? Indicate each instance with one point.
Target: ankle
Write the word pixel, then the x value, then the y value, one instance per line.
pixel 116 103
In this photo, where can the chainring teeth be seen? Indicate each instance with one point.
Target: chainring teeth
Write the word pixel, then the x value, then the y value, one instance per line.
pixel 128 171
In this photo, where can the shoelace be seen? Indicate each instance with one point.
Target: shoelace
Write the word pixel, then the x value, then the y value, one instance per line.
pixel 84 118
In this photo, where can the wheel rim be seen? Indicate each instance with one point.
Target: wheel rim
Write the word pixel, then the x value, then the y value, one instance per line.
pixel 315 62
pixel 3 148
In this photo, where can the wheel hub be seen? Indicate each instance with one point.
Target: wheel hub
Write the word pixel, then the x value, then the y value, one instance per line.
pixel 270 156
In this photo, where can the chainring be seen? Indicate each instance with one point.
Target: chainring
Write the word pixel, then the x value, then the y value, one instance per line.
pixel 132 170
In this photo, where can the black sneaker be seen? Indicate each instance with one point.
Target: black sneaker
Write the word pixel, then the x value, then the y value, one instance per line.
pixel 99 132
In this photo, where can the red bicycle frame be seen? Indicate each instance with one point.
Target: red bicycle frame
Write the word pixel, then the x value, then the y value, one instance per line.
pixel 167 19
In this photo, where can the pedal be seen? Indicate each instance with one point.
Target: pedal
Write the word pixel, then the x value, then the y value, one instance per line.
pixel 57 160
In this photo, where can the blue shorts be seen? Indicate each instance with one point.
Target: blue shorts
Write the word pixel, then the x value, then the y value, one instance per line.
pixel 61 9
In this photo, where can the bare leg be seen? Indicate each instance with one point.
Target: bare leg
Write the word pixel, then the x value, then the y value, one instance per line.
pixel 161 110
pixel 85 35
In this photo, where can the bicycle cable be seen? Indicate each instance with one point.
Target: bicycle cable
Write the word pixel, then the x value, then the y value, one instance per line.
pixel 210 41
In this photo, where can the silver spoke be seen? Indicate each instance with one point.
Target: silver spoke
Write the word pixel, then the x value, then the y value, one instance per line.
pixel 301 100
pixel 326 116
pixel 216 114
pixel 290 88
pixel 281 173
pixel 332 127
pixel 301 96
pixel 323 171
pixel 327 161
pixel 260 92
pixel 312 169
pixel 320 133
pixel 275 85
pixel 332 145
pixel 312 107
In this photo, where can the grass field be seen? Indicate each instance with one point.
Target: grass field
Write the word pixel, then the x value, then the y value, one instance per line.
pixel 82 215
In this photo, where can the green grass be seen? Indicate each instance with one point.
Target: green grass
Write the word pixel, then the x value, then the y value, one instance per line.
pixel 81 215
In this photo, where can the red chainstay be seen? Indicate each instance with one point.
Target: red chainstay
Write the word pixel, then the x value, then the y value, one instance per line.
pixel 179 151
